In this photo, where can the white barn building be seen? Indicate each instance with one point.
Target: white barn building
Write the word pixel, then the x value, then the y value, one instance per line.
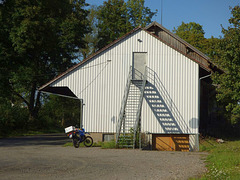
pixel 149 78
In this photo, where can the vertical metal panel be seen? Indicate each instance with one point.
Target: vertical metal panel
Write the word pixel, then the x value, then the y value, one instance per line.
pixel 101 83
pixel 178 75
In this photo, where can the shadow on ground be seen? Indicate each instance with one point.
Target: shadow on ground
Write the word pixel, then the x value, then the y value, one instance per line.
pixel 37 140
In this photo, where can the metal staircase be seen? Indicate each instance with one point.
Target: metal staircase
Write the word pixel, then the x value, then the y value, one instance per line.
pixel 128 127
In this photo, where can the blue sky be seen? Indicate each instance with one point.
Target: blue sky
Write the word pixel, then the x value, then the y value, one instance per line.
pixel 208 13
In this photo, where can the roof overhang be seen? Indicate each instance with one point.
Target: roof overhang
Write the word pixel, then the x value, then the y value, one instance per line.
pixel 48 85
pixel 190 51
pixel 61 91
pixel 205 63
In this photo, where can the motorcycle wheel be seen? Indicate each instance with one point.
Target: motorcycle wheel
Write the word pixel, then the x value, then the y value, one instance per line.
pixel 75 143
pixel 88 142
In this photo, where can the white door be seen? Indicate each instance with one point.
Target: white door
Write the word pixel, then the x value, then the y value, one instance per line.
pixel 139 64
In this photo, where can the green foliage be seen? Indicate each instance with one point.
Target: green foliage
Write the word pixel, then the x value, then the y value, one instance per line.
pixel 211 47
pixel 228 59
pixel 193 33
pixel 13 117
pixel 113 21
pixel 103 145
pixel 56 114
pixel 138 14
pixel 225 53
pixel 125 141
pixel 90 38
pixel 59 112
pixel 108 145
pixel 116 18
pixel 223 161
pixel 38 39
pixel 68 144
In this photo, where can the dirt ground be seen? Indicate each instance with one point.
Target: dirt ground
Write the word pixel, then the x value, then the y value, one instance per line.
pixel 44 157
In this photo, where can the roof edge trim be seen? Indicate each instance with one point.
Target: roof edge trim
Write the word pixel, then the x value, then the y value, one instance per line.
pixel 90 57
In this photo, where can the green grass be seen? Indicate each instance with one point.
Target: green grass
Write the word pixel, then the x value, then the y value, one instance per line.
pixel 108 145
pixel 68 144
pixel 223 161
pixel 103 145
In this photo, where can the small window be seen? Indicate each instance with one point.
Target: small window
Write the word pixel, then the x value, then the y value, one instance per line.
pixel 108 137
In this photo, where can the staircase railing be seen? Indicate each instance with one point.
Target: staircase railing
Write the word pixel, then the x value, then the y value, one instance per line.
pixel 123 105
pixel 155 80
pixel 139 110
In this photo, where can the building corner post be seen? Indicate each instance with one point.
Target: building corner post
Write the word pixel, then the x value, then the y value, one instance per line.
pixel 199 104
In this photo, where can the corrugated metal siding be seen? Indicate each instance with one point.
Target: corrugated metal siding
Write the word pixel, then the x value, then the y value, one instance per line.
pixel 101 85
pixel 175 42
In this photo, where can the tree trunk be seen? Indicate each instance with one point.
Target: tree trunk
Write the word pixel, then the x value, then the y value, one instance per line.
pixel 34 105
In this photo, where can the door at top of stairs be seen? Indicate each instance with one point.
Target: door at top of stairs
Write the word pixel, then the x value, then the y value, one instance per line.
pixel 139 63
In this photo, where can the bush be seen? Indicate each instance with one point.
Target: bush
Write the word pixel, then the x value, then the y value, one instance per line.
pixel 13 117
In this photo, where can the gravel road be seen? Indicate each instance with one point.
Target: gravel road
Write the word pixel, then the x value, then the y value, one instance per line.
pixel 44 157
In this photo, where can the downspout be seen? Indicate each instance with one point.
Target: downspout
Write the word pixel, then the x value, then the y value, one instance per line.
pixel 81 118
pixel 199 104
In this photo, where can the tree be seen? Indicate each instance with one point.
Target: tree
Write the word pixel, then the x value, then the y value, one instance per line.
pixel 138 14
pixel 116 18
pixel 91 38
pixel 193 33
pixel 112 21
pixel 38 39
pixel 228 59
pixel 12 118
pixel 59 112
pixel 210 47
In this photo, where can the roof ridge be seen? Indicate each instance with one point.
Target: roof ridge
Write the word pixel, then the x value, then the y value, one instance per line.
pixel 124 36
pixel 178 38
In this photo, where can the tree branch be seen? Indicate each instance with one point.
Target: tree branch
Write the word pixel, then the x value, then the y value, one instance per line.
pixel 22 98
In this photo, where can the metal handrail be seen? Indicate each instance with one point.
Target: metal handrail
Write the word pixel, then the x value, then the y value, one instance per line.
pixel 123 105
pixel 139 107
pixel 138 75
pixel 152 76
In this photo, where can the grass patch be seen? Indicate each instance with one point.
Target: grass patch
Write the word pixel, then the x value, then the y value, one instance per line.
pixel 223 161
pixel 68 144
pixel 108 145
pixel 103 145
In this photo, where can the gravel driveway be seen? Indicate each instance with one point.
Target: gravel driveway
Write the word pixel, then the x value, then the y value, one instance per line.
pixel 44 157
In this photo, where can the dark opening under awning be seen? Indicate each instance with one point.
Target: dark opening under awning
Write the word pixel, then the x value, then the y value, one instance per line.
pixel 62 91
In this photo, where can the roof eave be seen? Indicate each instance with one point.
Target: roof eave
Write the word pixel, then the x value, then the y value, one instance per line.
pixel 89 58
pixel 212 67
pixel 178 38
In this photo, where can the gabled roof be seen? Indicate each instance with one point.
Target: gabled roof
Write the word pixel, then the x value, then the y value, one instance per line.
pixel 89 58
pixel 162 34
pixel 177 38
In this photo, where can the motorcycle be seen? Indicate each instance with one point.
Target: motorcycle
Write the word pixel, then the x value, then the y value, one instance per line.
pixel 78 135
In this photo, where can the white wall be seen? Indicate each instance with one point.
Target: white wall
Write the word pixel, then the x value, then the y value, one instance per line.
pixel 101 85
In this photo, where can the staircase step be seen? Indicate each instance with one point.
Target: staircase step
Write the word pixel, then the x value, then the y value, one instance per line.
pixel 125 139
pixel 127 146
pixel 131 106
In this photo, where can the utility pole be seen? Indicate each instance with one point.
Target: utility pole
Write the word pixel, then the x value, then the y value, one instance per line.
pixel 161 10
